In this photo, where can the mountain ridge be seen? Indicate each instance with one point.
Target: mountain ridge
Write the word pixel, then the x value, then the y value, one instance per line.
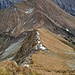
pixel 37 34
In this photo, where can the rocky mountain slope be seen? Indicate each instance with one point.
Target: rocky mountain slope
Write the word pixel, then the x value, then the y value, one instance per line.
pixel 39 35
pixel 67 5
pixel 8 3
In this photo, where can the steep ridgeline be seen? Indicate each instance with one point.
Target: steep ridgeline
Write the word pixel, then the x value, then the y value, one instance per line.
pixel 20 48
pixel 31 14
pixel 9 45
pixel 30 45
pixel 67 5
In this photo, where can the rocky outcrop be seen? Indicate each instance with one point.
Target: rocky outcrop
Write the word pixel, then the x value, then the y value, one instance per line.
pixel 30 45
pixel 20 48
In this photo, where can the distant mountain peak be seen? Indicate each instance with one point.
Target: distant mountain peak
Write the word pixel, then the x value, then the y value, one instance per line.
pixel 8 3
pixel 67 5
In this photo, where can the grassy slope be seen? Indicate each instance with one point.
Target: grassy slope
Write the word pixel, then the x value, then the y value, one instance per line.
pixel 56 57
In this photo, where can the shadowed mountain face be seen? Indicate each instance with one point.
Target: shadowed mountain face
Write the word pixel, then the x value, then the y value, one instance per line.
pixel 37 33
pixel 8 3
pixel 67 5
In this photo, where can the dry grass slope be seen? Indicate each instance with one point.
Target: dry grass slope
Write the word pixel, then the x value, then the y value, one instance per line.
pixel 10 68
pixel 55 61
